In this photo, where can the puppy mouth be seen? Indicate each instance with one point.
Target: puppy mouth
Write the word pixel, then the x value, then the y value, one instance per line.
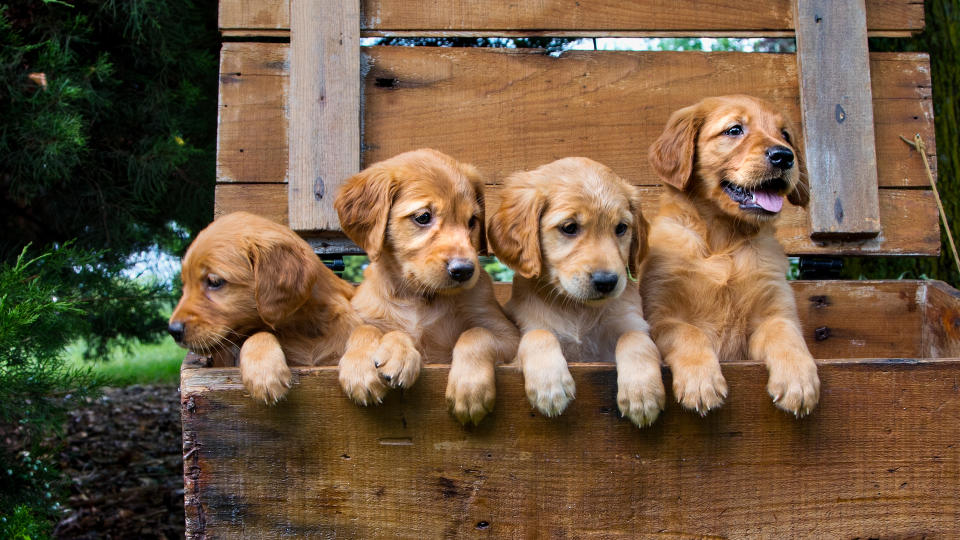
pixel 765 198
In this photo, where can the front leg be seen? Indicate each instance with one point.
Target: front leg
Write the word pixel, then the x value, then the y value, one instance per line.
pixel 358 374
pixel 546 378
pixel 471 386
pixel 640 393
pixel 793 383
pixel 263 368
pixel 698 383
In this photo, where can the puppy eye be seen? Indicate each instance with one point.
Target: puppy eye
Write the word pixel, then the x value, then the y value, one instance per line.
pixel 423 218
pixel 734 131
pixel 786 136
pixel 570 228
pixel 621 229
pixel 473 222
pixel 214 282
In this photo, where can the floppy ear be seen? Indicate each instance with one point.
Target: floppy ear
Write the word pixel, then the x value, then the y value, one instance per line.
pixel 638 245
pixel 514 230
pixel 363 206
pixel 283 276
pixel 800 195
pixel 476 181
pixel 673 152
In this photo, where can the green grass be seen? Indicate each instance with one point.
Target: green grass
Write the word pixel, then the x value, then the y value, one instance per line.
pixel 139 363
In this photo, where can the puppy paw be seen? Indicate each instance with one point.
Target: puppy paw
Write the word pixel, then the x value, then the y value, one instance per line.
pixel 794 385
pixel 263 369
pixel 548 384
pixel 640 395
pixel 397 360
pixel 359 378
pixel 699 386
pixel 471 391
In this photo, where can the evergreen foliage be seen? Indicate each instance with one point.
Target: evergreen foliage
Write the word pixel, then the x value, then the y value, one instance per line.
pixel 39 316
pixel 107 131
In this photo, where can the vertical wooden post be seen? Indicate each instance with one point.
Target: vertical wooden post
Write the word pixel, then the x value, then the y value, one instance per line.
pixel 837 106
pixel 324 101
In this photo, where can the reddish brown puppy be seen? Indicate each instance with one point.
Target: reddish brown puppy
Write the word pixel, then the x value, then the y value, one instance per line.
pixel 714 285
pixel 419 216
pixel 254 290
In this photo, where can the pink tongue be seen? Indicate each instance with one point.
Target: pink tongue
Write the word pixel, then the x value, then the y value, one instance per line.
pixel 771 202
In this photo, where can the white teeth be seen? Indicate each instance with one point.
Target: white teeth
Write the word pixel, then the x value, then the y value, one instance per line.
pixel 753 197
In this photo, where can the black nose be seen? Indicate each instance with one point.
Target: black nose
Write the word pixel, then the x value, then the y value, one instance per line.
pixel 604 282
pixel 780 157
pixel 176 331
pixel 460 269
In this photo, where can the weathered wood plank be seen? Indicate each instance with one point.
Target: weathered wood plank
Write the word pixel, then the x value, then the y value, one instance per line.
pixel 324 136
pixel 909 219
pixel 586 17
pixel 417 97
pixel 254 14
pixel 862 319
pixel 252 119
pixel 837 111
pixel 941 324
pixel 877 458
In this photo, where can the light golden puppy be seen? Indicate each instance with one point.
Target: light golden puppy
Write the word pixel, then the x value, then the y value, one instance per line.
pixel 255 291
pixel 419 216
pixel 571 229
pixel 714 285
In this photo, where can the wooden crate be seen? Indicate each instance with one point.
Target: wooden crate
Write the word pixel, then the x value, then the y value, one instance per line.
pixel 879 457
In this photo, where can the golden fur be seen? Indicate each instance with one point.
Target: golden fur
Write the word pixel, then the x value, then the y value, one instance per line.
pixel 562 227
pixel 255 291
pixel 409 294
pixel 714 285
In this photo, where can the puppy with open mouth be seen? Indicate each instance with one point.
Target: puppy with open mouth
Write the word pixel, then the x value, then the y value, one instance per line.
pixel 714 285
pixel 420 218
pixel 254 291
pixel 571 229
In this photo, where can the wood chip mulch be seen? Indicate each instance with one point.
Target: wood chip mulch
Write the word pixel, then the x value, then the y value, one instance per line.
pixel 123 453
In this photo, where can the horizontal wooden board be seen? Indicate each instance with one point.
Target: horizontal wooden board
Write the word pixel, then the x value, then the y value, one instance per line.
pixel 252 120
pixel 909 219
pixel 879 457
pixel 884 17
pixel 512 110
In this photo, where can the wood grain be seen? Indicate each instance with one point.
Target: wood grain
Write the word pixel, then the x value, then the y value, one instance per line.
pixel 324 135
pixel 585 17
pixel 909 218
pixel 941 324
pixel 837 110
pixel 878 458
pixel 252 120
pixel 609 106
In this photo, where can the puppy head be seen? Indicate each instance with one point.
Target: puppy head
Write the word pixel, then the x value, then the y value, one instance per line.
pixel 575 224
pixel 421 213
pixel 735 151
pixel 241 274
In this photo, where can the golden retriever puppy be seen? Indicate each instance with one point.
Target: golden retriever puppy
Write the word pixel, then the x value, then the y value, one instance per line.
pixel 571 229
pixel 255 291
pixel 714 285
pixel 419 216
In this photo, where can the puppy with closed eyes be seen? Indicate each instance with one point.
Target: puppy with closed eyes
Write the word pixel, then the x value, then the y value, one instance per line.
pixel 571 229
pixel 255 291
pixel 714 285
pixel 420 218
